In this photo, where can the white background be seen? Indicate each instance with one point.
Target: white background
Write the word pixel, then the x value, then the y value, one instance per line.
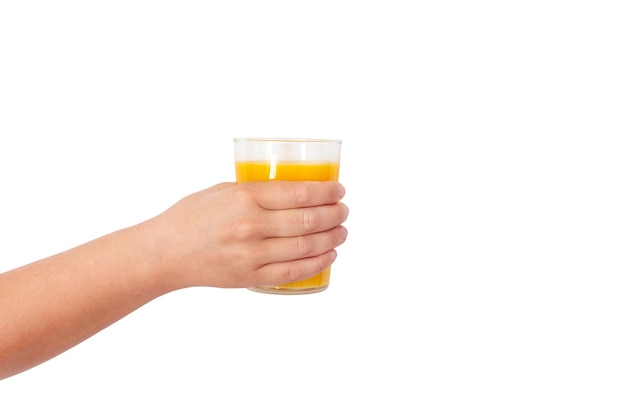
pixel 483 274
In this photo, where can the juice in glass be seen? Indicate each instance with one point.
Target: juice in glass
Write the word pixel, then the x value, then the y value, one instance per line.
pixel 294 160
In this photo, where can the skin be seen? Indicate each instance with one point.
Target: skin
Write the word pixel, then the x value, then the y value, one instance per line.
pixel 227 236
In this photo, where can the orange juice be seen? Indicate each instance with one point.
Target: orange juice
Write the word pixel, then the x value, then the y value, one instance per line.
pixel 264 170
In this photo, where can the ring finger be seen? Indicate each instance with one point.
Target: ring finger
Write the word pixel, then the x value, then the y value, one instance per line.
pixel 304 246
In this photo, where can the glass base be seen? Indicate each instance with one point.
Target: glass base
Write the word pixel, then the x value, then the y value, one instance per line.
pixel 277 290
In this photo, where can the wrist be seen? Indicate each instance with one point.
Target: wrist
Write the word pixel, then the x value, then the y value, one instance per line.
pixel 156 244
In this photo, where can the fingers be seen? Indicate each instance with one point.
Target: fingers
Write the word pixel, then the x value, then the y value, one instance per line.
pixel 298 258
pixel 278 250
pixel 305 221
pixel 280 273
pixel 295 194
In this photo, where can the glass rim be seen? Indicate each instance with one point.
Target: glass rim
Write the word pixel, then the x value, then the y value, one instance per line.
pixel 286 140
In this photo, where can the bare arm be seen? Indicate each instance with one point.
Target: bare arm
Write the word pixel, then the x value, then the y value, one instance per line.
pixel 226 236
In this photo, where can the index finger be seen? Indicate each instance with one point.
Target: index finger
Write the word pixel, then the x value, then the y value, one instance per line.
pixel 280 194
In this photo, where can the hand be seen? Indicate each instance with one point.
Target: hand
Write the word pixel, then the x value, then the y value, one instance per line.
pixel 250 234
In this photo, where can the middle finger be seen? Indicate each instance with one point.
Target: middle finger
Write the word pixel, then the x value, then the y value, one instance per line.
pixel 304 246
pixel 304 221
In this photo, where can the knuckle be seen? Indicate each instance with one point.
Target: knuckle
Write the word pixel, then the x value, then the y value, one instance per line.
pixel 294 272
pixel 304 245
pixel 244 192
pixel 310 220
pixel 242 258
pixel 300 191
pixel 244 230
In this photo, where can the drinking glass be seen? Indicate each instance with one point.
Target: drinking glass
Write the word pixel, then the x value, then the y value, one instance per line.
pixel 266 159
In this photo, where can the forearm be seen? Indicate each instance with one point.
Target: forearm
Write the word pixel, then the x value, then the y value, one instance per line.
pixel 256 233
pixel 51 305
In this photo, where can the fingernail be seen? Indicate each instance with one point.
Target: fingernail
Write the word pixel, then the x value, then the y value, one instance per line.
pixel 345 209
pixel 333 255
pixel 343 232
pixel 342 190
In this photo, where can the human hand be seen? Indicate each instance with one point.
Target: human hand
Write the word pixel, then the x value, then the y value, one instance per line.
pixel 249 234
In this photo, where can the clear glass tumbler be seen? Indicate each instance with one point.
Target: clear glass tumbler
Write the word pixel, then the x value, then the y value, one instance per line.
pixel 261 159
